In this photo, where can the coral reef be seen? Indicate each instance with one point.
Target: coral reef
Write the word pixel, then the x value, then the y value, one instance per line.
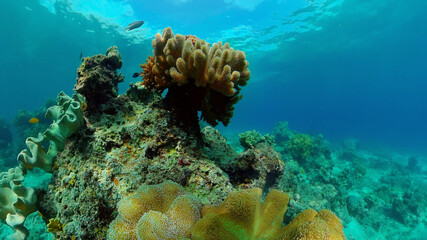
pixel 282 133
pixel 101 152
pixel 163 211
pixel 371 193
pixel 97 78
pixel 260 166
pixel 198 77
pixel 300 147
pixel 216 147
pixel 251 138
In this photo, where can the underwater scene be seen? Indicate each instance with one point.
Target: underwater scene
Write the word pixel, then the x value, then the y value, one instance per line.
pixel 213 119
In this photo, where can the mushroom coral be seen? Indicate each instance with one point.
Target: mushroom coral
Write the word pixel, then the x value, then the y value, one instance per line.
pixel 199 77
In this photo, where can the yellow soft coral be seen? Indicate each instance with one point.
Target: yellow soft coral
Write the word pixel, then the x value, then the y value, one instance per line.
pixel 163 211
pixel 243 216
pixel 221 67
pixel 212 75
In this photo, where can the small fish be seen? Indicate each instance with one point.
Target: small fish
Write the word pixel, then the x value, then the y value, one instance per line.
pixel 81 55
pixel 135 75
pixel 33 120
pixel 134 25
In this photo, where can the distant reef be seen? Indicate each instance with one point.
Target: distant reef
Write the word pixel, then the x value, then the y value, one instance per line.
pixel 138 166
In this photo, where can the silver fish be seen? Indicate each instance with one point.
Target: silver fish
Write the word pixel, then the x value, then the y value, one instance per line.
pixel 134 25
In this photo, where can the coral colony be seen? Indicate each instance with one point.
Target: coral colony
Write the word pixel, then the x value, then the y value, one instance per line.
pixel 137 165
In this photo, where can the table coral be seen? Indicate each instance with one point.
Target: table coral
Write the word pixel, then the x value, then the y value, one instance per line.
pixel 213 75
pixel 163 211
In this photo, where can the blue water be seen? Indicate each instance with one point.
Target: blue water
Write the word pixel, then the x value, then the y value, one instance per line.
pixel 345 68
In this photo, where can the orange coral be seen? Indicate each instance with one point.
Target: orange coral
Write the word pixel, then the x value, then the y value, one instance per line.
pixel 152 75
pixel 193 39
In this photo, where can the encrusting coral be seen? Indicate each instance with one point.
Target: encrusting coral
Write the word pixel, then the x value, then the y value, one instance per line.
pixel 164 211
pixel 198 77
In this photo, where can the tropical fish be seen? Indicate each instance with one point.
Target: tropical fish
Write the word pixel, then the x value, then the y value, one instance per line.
pixel 33 120
pixel 134 25
pixel 135 75
pixel 81 55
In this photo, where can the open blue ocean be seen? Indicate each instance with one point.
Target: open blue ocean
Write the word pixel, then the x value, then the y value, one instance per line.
pixel 337 90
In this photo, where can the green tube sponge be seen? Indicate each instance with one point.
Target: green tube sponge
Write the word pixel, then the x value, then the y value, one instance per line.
pixel 67 119
pixel 16 202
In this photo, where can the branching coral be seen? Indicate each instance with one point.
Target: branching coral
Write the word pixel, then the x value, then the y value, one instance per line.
pixel 163 211
pixel 212 75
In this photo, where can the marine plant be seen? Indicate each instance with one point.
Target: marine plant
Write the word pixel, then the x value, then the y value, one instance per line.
pixel 199 77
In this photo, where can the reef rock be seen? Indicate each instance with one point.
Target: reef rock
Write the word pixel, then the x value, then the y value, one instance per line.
pixel 97 78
